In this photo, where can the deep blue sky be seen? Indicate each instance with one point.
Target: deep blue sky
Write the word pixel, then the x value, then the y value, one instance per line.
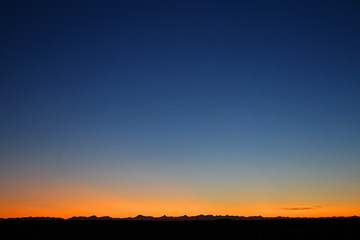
pixel 87 87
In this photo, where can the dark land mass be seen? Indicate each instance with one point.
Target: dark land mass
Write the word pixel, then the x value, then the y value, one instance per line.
pixel 198 227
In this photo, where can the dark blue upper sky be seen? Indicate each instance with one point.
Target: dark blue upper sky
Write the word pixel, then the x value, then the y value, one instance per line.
pixel 177 82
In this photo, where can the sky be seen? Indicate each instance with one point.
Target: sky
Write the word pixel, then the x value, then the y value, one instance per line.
pixel 158 108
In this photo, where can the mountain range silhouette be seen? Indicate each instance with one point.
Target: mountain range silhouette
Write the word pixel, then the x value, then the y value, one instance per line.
pixel 171 218
pixel 202 227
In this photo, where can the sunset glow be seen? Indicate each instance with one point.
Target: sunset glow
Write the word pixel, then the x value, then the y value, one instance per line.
pixel 126 108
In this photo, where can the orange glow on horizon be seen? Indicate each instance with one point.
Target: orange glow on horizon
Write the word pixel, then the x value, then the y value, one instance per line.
pixel 67 200
pixel 157 209
pixel 85 202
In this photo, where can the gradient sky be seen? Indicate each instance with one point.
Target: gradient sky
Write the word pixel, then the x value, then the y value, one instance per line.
pixel 123 108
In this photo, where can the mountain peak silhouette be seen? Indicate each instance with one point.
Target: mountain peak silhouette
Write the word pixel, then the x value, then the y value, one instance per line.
pixel 200 217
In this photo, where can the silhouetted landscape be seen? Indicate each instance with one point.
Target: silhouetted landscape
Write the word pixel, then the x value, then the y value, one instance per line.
pixel 184 227
pixel 152 107
pixel 179 218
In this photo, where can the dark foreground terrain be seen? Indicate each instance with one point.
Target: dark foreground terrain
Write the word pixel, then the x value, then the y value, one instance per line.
pixel 219 229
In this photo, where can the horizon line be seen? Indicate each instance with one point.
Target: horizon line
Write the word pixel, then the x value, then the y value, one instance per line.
pixel 165 217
